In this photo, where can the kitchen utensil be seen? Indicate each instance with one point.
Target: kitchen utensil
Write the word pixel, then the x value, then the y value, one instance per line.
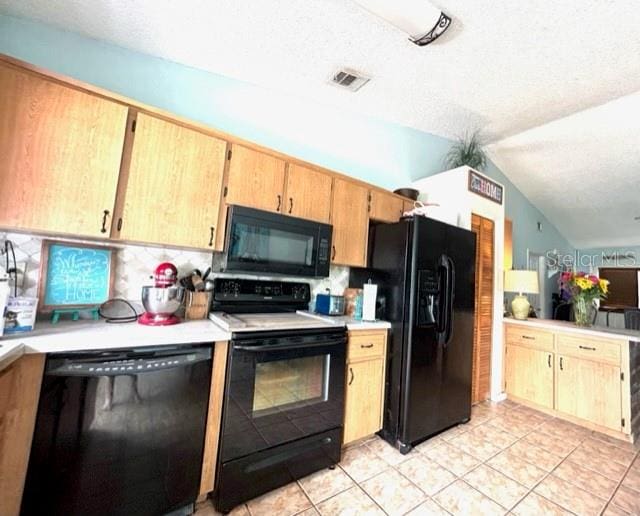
pixel 328 304
pixel 209 285
pixel 160 305
pixel 206 274
pixel 196 280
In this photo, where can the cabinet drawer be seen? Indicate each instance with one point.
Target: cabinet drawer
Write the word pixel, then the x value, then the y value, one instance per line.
pixel 366 344
pixel 530 337
pixel 599 350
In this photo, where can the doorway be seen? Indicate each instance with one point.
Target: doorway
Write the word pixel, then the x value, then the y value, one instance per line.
pixel 483 321
pixel 539 302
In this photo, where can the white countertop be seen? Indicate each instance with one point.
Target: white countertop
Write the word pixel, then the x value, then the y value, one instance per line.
pixel 351 323
pixel 91 335
pixel 68 336
pixel 570 327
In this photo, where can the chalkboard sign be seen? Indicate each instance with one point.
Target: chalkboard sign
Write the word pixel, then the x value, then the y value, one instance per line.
pixel 75 275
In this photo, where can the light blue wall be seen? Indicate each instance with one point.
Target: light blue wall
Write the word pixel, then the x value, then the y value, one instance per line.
pixel 385 154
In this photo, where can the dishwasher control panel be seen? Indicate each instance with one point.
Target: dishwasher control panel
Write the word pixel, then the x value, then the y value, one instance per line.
pixel 121 366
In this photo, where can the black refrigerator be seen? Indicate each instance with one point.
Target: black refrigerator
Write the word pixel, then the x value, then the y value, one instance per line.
pixel 425 270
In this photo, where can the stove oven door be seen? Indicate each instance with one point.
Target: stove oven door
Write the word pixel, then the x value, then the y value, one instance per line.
pixel 282 387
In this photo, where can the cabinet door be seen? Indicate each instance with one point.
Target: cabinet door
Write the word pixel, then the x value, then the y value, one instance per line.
pixel 350 223
pixel 19 394
pixel 590 390
pixel 529 374
pixel 174 184
pixel 308 194
pixel 363 404
pixel 385 207
pixel 60 152
pixel 255 180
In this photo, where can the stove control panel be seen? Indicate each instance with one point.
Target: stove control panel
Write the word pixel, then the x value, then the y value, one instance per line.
pixel 248 291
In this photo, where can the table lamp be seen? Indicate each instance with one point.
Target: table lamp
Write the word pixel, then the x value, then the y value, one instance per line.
pixel 522 282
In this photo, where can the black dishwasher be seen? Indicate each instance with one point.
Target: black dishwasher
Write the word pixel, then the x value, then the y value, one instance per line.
pixel 119 432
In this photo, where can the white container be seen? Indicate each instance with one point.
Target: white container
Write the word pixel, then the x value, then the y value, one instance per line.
pixel 369 296
pixel 4 296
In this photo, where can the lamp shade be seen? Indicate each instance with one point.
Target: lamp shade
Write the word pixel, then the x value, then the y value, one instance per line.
pixel 523 282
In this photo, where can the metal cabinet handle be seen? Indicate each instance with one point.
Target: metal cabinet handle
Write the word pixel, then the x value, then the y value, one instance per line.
pixel 587 347
pixel 333 252
pixel 119 226
pixel 105 214
pixel 527 337
pixel 366 346
pixel 352 376
pixel 549 360
pixel 279 202
pixel 290 204
pixel 213 229
pixel 561 368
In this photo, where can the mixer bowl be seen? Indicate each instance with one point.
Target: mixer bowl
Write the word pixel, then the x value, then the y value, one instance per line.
pixel 162 301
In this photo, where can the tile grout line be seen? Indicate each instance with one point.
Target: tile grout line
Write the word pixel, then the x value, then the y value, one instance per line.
pixel 360 487
pixel 622 479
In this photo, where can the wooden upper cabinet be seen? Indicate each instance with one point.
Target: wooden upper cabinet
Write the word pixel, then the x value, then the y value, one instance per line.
pixel 385 207
pixel 170 191
pixel 255 180
pixel 308 194
pixel 60 152
pixel 350 221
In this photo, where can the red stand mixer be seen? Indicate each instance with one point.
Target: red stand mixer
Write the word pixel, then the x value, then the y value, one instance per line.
pixel 163 299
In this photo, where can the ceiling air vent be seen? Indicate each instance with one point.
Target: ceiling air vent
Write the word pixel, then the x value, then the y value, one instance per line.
pixel 349 79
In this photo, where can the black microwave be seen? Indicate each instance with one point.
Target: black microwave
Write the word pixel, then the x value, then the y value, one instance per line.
pixel 264 242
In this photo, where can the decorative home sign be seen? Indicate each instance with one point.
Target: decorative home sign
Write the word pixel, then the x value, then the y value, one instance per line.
pixel 483 186
pixel 75 276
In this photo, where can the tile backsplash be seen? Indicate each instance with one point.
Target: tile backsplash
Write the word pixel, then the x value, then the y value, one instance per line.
pixel 135 264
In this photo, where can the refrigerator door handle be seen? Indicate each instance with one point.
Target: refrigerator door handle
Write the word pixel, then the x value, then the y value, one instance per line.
pixel 446 300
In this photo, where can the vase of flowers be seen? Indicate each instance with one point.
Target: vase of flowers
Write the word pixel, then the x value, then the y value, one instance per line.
pixel 582 290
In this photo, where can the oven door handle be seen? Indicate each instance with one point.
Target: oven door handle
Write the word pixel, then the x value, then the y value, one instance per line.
pixel 286 347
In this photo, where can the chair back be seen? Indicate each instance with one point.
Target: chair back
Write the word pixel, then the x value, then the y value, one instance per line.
pixel 632 319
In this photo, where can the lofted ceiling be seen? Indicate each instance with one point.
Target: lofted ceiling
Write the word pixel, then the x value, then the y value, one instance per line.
pixel 531 76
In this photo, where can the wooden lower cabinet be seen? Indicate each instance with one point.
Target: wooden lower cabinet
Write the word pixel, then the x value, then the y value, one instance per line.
pixel 589 390
pixel 214 420
pixel 364 384
pixel 363 416
pixel 19 394
pixel 584 378
pixel 529 374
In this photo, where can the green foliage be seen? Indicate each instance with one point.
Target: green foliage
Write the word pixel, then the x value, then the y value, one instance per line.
pixel 466 151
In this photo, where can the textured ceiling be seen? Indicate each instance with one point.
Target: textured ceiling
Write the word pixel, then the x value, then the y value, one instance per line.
pixel 504 67
pixel 583 172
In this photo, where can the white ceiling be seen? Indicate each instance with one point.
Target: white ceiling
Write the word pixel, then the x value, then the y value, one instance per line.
pixel 507 68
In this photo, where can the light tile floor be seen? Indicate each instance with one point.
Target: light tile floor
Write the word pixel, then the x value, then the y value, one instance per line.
pixel 507 459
